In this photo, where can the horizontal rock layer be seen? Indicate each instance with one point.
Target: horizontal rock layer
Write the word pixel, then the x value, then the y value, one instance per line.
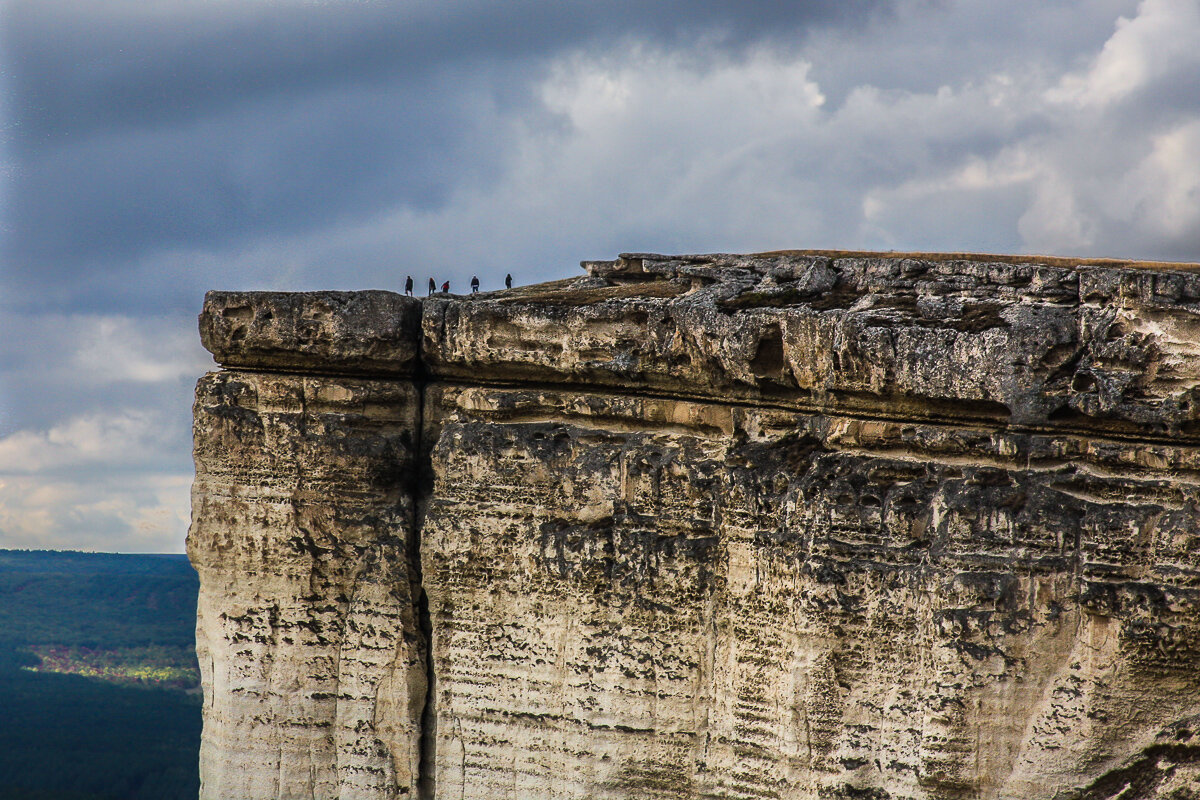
pixel 313 332
pixel 794 525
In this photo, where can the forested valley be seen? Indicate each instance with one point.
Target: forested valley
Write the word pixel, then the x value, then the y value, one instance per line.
pixel 99 686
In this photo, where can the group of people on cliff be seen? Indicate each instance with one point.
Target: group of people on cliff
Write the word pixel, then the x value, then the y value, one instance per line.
pixel 408 285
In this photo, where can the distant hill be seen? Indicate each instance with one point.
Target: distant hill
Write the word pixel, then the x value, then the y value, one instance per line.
pixel 71 562
pixel 98 676
pixel 101 600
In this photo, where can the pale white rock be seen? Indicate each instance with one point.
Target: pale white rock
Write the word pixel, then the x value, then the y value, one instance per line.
pixel 314 678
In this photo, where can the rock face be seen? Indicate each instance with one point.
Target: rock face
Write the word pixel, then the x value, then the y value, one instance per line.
pixel 791 525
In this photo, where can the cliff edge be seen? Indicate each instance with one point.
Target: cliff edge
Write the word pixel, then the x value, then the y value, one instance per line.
pixel 787 525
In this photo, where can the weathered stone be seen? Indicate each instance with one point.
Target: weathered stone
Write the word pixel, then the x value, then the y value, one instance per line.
pixel 796 525
pixel 1013 344
pixel 312 332
pixel 310 650
pixel 697 600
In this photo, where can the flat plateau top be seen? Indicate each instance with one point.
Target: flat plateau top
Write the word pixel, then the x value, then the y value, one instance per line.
pixel 1100 345
pixel 994 258
pixel 627 264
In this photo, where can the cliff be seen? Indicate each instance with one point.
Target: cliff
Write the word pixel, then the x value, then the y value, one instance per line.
pixel 789 525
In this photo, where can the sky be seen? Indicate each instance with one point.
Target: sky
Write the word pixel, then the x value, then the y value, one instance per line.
pixel 154 149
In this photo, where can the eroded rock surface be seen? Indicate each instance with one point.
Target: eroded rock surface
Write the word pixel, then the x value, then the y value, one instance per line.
pixel 311 655
pixel 792 525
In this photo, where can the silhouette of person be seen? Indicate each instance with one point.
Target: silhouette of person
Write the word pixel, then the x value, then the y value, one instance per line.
pixel 408 286
pixel 432 287
pixel 445 287
pixel 508 281
pixel 474 283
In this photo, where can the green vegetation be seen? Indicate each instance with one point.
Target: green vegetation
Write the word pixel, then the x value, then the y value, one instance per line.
pixel 98 677
pixel 163 667
pixel 51 598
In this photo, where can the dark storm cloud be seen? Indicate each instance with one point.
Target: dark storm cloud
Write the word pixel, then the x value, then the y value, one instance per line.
pixel 82 66
pixel 275 166
pixel 140 127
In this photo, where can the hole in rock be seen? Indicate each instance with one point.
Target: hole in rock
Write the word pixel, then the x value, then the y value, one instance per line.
pixel 768 361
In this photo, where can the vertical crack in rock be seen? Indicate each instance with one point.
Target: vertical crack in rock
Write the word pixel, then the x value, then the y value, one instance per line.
pixel 420 486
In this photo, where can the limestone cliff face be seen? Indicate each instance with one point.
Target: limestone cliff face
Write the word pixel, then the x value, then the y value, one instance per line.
pixel 794 525
pixel 311 652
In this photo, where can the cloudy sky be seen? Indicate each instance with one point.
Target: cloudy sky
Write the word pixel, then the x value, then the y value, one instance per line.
pixel 154 149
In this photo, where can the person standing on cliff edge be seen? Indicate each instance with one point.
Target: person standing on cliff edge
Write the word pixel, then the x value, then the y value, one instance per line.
pixel 508 281
pixel 445 287
pixel 408 286
pixel 432 287
pixel 474 284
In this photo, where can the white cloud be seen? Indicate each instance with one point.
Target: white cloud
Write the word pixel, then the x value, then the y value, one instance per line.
pixel 114 348
pixel 1053 222
pixel 93 432
pixel 101 349
pixel 1158 41
pixel 120 439
pixel 146 513
pixel 1161 193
